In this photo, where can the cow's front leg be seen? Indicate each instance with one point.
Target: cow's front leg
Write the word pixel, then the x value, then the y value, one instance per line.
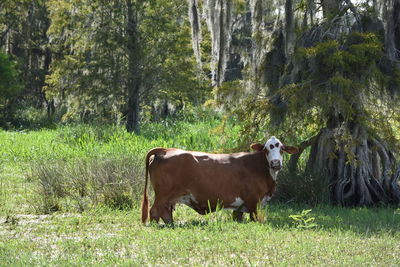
pixel 237 216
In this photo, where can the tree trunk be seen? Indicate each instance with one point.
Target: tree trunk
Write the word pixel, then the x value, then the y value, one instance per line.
pixel 330 7
pixel 289 28
pixel 194 19
pixel 132 122
pixel 134 78
pixel 219 19
pixel 361 168
pixel 51 108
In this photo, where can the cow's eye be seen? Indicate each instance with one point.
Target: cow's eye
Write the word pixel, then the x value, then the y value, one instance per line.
pixel 271 146
pixel 277 144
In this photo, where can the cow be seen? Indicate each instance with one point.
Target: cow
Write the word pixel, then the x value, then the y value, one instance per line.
pixel 206 181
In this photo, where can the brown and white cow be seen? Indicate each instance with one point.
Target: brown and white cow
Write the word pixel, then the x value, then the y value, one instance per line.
pixel 238 181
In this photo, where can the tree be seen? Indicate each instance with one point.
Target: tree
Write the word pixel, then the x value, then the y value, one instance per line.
pixel 113 55
pixel 329 76
pixel 23 26
pixel 10 87
pixel 345 79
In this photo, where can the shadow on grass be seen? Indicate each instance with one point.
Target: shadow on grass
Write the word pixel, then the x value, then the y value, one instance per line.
pixel 357 219
pixel 194 223
pixel 360 220
pixel 182 224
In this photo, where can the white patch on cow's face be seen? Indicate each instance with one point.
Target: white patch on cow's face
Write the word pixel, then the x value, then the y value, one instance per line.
pixel 274 155
pixel 237 205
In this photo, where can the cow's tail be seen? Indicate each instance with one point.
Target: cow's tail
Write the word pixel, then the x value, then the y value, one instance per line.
pixel 145 201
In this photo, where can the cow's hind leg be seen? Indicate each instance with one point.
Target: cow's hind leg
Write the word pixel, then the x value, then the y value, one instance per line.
pixel 154 214
pixel 237 216
pixel 161 209
pixel 156 210
pixel 167 215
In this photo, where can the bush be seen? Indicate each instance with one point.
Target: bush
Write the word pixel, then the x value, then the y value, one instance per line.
pixel 302 188
pixel 84 183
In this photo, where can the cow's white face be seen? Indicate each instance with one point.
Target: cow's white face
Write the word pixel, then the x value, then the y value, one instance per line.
pixel 274 149
pixel 274 155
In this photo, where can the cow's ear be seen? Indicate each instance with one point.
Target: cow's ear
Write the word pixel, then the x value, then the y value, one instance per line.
pixel 257 147
pixel 290 149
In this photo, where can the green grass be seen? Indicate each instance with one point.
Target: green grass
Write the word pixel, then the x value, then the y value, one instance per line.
pixel 354 237
pixel 101 235
pixel 29 159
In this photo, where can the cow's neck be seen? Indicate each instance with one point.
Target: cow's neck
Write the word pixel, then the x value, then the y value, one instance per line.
pixel 261 157
pixel 273 173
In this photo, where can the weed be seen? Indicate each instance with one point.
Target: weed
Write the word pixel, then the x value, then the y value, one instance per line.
pixel 303 220
pixel 216 215
pixel 11 219
pixel 261 213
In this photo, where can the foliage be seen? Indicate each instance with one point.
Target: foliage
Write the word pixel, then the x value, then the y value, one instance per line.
pixel 302 187
pixel 340 78
pixel 334 78
pixel 90 71
pixel 23 26
pixel 10 86
pixel 303 220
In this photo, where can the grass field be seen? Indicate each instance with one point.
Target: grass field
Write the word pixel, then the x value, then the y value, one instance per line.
pixel 84 228
pixel 351 237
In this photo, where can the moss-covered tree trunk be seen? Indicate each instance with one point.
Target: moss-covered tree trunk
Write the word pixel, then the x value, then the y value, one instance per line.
pixel 360 167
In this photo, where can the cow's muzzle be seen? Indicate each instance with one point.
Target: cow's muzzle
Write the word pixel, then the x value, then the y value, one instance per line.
pixel 275 165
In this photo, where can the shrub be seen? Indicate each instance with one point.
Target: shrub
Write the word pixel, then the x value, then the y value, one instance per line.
pixel 303 220
pixel 302 188
pixel 83 183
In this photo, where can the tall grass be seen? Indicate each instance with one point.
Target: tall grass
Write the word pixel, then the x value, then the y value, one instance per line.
pixel 74 168
pixel 81 184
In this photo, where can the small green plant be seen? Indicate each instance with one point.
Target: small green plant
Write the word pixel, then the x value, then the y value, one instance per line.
pixel 11 219
pixel 218 215
pixel 303 220
pixel 261 216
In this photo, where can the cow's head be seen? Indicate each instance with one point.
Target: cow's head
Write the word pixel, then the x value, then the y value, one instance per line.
pixel 274 150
